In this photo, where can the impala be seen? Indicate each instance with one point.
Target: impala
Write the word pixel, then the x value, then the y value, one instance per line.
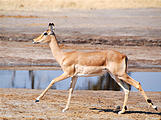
pixel 77 64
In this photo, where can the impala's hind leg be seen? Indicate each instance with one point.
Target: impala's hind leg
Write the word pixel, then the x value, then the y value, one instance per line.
pixel 126 90
pixel 72 85
pixel 126 78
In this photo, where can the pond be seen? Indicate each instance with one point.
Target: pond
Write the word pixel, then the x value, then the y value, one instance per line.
pixel 39 79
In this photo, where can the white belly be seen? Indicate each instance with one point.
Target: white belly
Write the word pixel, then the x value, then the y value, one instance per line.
pixel 88 71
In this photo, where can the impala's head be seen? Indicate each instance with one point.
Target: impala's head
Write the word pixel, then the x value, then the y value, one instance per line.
pixel 45 37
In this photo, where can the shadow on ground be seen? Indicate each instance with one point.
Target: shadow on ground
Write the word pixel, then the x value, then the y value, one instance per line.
pixel 127 112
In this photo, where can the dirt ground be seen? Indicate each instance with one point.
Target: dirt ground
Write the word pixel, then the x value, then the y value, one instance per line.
pixel 92 105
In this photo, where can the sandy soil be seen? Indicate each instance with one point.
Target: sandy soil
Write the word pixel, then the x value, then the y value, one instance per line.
pixel 50 5
pixel 92 105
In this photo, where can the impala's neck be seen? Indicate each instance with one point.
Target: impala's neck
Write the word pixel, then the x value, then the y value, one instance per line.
pixel 56 51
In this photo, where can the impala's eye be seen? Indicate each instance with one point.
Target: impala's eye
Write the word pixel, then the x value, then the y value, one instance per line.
pixel 45 33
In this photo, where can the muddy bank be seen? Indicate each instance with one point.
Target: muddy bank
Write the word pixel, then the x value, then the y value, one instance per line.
pixel 25 55
pixel 89 39
pixel 19 104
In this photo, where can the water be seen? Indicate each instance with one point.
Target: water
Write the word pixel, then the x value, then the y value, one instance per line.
pixel 150 81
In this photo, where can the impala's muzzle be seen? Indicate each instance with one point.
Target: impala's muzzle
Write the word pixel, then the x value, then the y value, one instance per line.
pixel 35 42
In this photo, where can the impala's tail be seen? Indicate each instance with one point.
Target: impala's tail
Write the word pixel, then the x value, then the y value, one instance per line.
pixel 126 67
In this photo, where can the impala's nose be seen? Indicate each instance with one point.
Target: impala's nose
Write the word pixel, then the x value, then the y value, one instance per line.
pixel 34 42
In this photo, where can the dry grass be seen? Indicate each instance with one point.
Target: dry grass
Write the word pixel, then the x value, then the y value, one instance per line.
pixel 41 5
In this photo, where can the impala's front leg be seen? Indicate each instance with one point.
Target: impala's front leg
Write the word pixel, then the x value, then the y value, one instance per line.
pixel 61 77
pixel 72 85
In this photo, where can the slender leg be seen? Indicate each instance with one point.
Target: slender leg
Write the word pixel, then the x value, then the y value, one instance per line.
pixel 61 77
pixel 125 88
pixel 72 85
pixel 126 78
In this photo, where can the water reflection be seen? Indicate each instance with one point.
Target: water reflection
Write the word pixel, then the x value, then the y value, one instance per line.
pixel 31 77
pixel 104 82
pixel 151 81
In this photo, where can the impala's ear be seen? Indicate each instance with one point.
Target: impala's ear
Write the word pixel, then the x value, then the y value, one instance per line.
pixel 51 27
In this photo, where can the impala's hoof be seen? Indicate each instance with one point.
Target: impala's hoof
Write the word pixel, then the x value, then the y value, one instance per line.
pixel 65 109
pixel 118 108
pixel 36 101
pixel 121 112
pixel 155 107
